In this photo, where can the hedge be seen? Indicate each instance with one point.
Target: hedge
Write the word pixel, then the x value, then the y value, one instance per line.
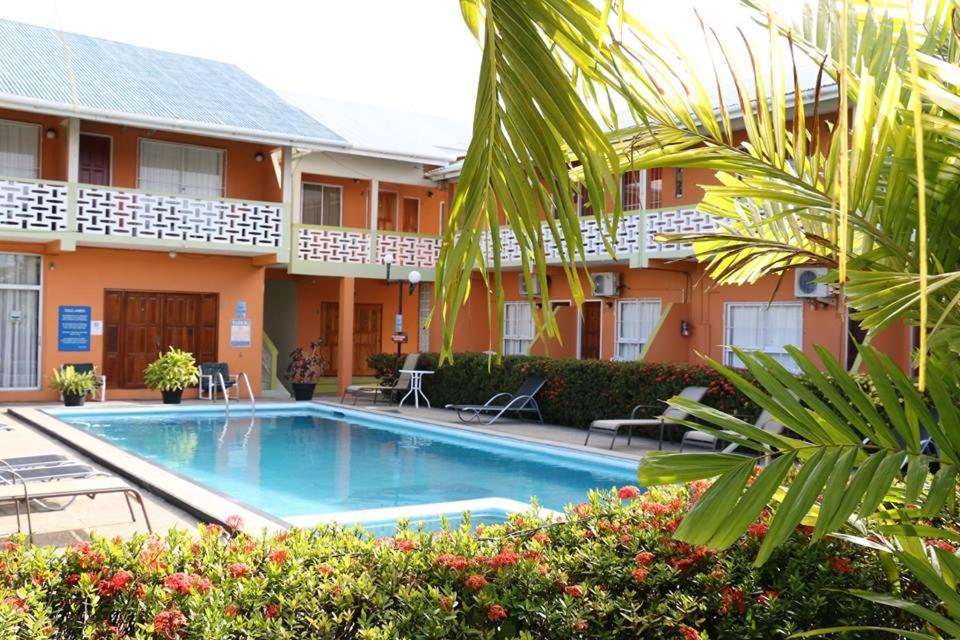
pixel 609 571
pixel 576 391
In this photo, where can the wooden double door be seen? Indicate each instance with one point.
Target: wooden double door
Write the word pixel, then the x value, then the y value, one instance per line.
pixel 138 325
pixel 367 335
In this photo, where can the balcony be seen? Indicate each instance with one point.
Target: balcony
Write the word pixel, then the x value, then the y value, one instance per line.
pixel 34 210
pixel 346 251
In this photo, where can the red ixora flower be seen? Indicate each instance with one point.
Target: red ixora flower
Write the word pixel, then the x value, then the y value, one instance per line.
pixel 639 574
pixel 476 582
pixel 496 613
pixel 167 624
pixel 644 558
pixel 278 556
pixel 404 545
pixel 757 530
pixel 689 633
pixel 628 493
pixel 505 558
pixel 271 611
pixel 580 625
pixel 234 522
pixel 446 603
pixel 231 610
pixel 841 565
pixel 768 596
pixel 574 591
pixel 15 603
pixel 239 570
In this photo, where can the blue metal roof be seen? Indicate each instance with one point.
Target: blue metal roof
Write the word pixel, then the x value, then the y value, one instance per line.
pixel 89 75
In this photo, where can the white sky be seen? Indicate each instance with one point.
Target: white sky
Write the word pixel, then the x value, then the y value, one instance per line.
pixel 410 55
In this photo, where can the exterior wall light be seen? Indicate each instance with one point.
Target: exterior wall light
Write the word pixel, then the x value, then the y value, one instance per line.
pixel 51 133
pixel 258 156
pixel 684 328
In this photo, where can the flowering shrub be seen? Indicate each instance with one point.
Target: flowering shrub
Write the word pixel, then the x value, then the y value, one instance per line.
pixel 610 571
pixel 576 391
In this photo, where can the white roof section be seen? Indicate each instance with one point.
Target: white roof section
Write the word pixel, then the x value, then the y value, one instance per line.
pixel 49 71
pixel 380 132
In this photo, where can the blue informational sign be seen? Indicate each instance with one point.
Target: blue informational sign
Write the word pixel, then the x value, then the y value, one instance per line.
pixel 241 313
pixel 73 328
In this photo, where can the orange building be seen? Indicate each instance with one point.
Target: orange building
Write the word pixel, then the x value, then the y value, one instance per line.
pixel 149 200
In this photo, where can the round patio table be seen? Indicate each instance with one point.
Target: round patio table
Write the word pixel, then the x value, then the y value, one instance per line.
pixel 416 380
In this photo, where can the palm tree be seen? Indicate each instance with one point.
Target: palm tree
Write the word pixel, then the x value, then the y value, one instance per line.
pixel 876 206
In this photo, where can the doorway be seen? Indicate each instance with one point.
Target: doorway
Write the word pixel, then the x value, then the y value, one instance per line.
pixel 590 313
pixel 367 335
pixel 140 324
pixel 95 159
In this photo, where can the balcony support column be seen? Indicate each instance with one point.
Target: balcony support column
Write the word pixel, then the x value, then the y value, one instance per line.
pixel 345 335
pixel 374 214
pixel 73 171
pixel 286 185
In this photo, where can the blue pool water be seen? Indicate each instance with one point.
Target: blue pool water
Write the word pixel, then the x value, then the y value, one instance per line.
pixel 314 460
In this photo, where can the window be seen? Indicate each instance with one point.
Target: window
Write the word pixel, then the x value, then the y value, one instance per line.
pixel 19 150
pixel 583 202
pixel 635 322
pixel 518 328
pixel 656 187
pixel 631 190
pixel 321 204
pixel 387 205
pixel 678 185
pixel 410 221
pixel 758 326
pixel 170 168
pixel 20 321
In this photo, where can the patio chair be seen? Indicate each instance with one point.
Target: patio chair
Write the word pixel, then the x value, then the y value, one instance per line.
pixel 66 470
pixel 671 416
pixel 37 460
pixel 521 402
pixel 101 380
pixel 215 378
pixel 699 438
pixel 401 384
pixel 25 493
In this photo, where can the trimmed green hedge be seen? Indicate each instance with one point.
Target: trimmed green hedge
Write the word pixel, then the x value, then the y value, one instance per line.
pixel 576 391
pixel 610 571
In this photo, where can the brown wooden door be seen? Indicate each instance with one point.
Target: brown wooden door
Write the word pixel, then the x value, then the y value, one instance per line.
pixel 138 325
pixel 94 159
pixel 330 334
pixel 590 329
pixel 367 334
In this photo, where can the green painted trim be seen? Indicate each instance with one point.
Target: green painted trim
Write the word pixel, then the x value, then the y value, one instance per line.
pixel 656 330
pixel 274 356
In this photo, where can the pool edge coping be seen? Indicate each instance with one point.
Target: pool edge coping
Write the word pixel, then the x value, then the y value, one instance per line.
pixel 174 488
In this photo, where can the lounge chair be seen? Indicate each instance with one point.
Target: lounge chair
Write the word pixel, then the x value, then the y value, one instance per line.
pixel 671 416
pixel 101 380
pixel 521 402
pixel 215 378
pixel 38 460
pixel 26 492
pixel 402 383
pixel 703 439
pixel 20 475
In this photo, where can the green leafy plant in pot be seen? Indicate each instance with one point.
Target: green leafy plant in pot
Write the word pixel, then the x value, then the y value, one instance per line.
pixel 171 373
pixel 73 385
pixel 305 369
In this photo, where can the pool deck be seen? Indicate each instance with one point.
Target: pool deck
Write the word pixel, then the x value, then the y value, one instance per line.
pixel 175 501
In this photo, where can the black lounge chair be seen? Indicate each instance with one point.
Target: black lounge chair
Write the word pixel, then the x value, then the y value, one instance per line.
pixel 521 402
pixel 101 380
pixel 211 383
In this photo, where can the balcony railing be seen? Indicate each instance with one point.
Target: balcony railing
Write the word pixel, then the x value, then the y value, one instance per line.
pixel 343 246
pixel 123 214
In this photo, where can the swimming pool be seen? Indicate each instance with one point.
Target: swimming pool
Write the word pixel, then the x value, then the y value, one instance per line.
pixel 307 463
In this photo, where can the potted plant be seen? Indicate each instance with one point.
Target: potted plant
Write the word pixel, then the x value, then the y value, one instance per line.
pixel 73 385
pixel 305 369
pixel 171 373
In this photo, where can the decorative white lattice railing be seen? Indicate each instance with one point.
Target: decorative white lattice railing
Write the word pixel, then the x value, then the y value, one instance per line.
pixel 362 247
pixel 33 205
pixel 108 211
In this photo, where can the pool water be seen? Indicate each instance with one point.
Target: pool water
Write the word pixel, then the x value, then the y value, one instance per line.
pixel 299 462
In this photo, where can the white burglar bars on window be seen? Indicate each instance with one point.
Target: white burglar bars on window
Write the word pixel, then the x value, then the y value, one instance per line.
pixel 768 328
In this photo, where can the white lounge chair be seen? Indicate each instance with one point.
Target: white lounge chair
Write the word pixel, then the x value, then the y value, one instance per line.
pixel 401 384
pixel 670 417
pixel 24 493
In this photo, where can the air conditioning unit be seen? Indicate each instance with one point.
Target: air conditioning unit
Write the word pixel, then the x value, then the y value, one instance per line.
pixel 606 285
pixel 806 285
pixel 535 283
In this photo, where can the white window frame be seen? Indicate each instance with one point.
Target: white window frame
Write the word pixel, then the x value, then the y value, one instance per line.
pixel 325 186
pixel 219 150
pixel 400 214
pixel 38 288
pixel 618 336
pixel 729 356
pixel 39 160
pixel 519 338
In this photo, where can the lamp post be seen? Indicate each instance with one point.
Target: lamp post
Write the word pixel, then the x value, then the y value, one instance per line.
pixel 413 278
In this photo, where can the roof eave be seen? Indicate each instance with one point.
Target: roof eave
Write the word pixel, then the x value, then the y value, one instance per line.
pixel 185 126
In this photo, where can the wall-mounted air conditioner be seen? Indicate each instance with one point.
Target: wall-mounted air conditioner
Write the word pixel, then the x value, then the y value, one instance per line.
pixel 534 283
pixel 806 285
pixel 606 285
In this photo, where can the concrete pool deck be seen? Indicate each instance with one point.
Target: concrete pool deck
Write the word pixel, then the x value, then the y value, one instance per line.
pixel 173 500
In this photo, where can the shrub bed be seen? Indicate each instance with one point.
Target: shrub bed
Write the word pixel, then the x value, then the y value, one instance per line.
pixel 609 571
pixel 576 391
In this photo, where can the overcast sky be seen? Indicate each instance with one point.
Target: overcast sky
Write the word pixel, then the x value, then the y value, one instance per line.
pixel 412 55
